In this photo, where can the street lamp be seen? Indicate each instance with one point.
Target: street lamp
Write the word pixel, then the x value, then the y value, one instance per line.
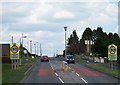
pixel 31 46
pixel 65 28
pixel 35 49
pixel 22 47
pixel 23 36
pixel 12 63
pixel 40 50
pixel 12 36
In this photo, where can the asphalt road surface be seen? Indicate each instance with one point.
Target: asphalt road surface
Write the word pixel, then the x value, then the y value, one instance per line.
pixel 52 72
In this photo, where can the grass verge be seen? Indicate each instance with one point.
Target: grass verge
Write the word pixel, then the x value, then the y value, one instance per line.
pixel 115 73
pixel 101 68
pixel 15 76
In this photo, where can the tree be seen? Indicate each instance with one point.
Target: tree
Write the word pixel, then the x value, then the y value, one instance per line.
pixel 75 37
pixel 87 34
pixel 73 43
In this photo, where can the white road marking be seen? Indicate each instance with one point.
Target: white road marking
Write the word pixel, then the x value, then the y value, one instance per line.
pixel 69 68
pixel 60 79
pixel 51 66
pixel 28 69
pixel 77 74
pixel 56 74
pixel 84 80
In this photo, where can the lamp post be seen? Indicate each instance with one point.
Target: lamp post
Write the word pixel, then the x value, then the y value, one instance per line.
pixel 12 39
pixel 31 46
pixel 40 50
pixel 12 63
pixel 35 49
pixel 22 47
pixel 65 28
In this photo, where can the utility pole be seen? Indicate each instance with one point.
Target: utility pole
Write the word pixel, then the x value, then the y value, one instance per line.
pixel 35 49
pixel 65 28
pixel 31 46
pixel 12 63
pixel 40 51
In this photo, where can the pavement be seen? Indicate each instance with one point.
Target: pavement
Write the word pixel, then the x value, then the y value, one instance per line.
pixel 52 72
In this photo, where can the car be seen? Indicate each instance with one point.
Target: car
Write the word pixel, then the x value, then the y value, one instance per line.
pixel 70 59
pixel 44 58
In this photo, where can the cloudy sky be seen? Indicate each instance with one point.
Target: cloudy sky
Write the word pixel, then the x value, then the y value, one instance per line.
pixel 44 21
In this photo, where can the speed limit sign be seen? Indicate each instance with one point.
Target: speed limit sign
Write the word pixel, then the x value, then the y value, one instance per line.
pixel 14 51
pixel 112 52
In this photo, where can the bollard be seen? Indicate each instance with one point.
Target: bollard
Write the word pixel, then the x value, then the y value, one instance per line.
pixel 65 67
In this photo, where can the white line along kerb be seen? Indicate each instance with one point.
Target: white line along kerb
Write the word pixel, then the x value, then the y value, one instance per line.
pixel 84 80
pixel 60 79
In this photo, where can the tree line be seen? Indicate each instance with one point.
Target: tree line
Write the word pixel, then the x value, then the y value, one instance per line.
pixel 100 41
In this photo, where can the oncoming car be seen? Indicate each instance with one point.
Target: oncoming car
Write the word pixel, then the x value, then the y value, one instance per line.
pixel 70 59
pixel 44 58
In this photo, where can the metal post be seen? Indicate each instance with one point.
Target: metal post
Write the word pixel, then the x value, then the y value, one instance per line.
pixel 31 46
pixel 35 50
pixel 28 45
pixel 40 50
pixel 65 28
pixel 21 50
pixel 12 63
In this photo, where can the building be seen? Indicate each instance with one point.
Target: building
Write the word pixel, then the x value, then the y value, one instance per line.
pixel 5 53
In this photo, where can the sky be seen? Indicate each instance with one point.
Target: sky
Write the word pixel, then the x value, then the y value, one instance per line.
pixel 43 21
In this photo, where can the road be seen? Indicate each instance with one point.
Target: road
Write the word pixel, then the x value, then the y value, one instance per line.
pixel 52 72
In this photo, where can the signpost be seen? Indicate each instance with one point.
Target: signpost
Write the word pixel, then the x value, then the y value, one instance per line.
pixel 14 54
pixel 112 54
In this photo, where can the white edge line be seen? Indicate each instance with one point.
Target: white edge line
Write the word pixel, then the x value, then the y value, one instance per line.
pixel 60 79
pixel 28 70
pixel 77 74
pixel 84 80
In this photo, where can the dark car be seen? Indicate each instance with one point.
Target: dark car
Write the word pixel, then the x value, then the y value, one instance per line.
pixel 44 58
pixel 70 59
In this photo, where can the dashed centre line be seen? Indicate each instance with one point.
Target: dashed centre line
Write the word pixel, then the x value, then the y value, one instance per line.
pixel 84 80
pixel 77 74
pixel 51 66
pixel 72 72
pixel 56 74
pixel 60 79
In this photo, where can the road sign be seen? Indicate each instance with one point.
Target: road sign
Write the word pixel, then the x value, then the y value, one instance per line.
pixel 112 52
pixel 14 51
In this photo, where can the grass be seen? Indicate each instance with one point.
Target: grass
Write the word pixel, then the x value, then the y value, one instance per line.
pixel 15 76
pixel 78 60
pixel 100 68
pixel 105 70
pixel 0 72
